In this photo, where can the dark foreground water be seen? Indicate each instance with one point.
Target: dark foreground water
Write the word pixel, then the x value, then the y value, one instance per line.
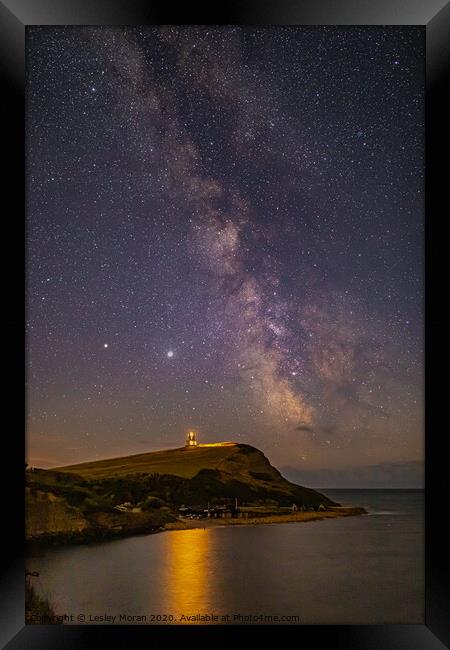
pixel 355 570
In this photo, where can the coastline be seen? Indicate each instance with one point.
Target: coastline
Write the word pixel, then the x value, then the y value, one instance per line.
pixel 95 535
pixel 297 517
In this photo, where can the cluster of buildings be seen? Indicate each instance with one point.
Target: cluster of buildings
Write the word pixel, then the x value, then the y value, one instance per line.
pixel 216 512
pixel 222 512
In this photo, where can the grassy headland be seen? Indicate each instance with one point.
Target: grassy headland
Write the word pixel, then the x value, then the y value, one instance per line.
pixel 184 462
pixel 143 493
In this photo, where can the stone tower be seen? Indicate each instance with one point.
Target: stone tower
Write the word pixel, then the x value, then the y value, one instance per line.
pixel 191 439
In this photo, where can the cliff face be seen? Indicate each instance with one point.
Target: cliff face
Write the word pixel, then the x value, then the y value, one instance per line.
pixel 47 513
pixel 247 461
pixel 248 474
pixel 50 518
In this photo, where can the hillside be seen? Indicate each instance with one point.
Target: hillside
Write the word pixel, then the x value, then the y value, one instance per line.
pixel 142 493
pixel 46 511
pixel 225 469
pixel 183 461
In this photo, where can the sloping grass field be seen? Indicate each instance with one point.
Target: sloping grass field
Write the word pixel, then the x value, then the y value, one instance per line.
pixel 184 462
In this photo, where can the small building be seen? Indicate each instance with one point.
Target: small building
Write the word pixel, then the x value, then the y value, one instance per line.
pixel 191 439
pixel 124 507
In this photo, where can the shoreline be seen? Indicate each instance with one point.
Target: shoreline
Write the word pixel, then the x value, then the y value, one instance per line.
pixel 95 536
pixel 298 517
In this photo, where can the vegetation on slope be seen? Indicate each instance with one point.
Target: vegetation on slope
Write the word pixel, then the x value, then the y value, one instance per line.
pixel 84 501
pixel 190 476
pixel 183 461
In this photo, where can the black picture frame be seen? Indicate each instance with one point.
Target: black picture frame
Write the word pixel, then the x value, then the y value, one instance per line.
pixel 434 16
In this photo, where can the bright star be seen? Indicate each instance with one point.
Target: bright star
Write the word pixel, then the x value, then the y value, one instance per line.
pixel 170 354
pixel 105 345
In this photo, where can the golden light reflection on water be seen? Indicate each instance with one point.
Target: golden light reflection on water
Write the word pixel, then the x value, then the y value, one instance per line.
pixel 187 580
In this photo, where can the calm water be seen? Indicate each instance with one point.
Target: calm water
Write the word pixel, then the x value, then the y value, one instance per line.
pixel 357 570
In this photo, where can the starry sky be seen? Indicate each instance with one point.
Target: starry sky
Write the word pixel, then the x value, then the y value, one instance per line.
pixel 225 233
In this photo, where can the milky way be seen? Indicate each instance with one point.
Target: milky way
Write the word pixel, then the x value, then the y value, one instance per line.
pixel 225 232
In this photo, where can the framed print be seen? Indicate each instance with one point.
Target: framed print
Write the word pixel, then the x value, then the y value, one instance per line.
pixel 229 322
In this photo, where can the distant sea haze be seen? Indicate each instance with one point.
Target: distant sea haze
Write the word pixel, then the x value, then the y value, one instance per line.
pixel 406 475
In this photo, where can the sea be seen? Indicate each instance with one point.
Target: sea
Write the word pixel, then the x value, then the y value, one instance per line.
pixel 359 570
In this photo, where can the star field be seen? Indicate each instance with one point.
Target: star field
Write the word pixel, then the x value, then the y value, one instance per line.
pixel 225 232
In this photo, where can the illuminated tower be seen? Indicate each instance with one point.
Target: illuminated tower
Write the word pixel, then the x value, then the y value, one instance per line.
pixel 191 439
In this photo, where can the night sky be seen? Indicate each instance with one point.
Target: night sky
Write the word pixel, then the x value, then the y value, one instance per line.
pixel 225 233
